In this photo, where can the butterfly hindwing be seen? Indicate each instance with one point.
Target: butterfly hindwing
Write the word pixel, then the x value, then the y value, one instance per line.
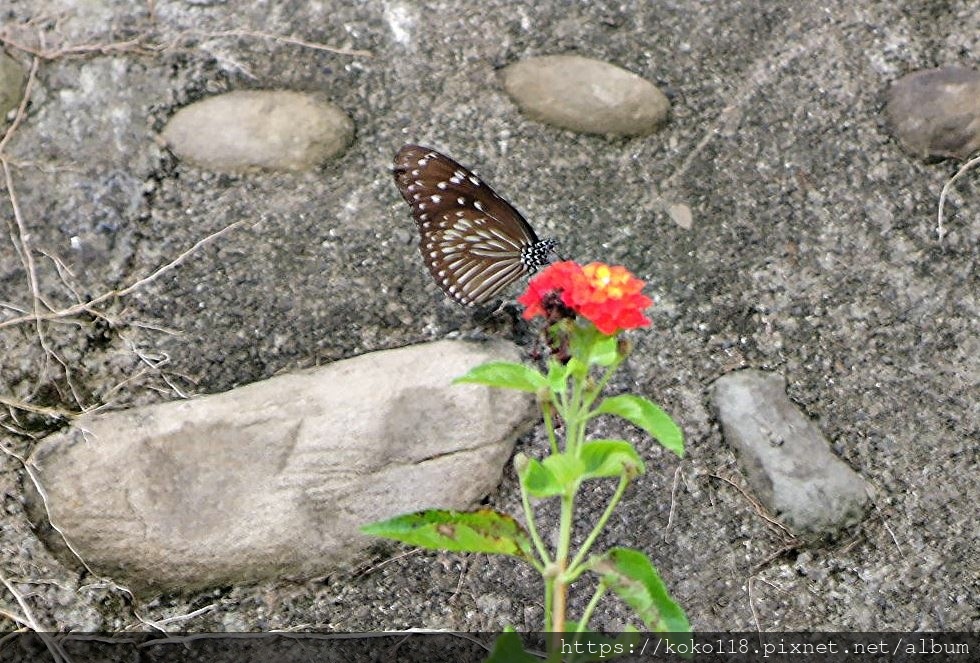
pixel 473 242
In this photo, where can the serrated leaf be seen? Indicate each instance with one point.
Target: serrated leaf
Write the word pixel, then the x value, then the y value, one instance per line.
pixel 634 579
pixel 484 531
pixel 648 416
pixel 539 481
pixel 505 375
pixel 610 458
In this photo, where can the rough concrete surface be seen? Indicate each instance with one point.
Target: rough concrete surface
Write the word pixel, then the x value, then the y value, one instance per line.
pixel 812 250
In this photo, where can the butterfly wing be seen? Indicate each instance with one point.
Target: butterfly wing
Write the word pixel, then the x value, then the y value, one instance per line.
pixel 473 242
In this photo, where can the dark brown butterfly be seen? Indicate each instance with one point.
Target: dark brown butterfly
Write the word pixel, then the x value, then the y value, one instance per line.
pixel 473 242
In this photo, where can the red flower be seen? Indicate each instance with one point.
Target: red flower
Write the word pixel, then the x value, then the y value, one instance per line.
pixel 609 297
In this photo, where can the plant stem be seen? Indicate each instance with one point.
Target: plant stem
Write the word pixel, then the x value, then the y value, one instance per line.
pixel 549 424
pixel 549 594
pixel 603 381
pixel 599 526
pixel 561 561
pixel 575 421
pixel 533 530
pixel 583 623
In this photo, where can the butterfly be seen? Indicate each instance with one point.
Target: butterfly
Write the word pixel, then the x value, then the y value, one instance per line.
pixel 473 241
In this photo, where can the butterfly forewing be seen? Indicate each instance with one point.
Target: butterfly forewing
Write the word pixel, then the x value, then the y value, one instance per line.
pixel 473 242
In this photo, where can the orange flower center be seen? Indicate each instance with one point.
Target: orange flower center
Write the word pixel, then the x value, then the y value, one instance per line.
pixel 609 281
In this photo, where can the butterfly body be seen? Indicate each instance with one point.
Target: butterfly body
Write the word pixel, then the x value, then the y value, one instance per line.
pixel 473 242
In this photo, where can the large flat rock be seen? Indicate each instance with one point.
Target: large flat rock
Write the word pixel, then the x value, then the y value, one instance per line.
pixel 275 478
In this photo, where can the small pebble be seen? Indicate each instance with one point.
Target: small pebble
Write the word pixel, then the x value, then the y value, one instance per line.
pixel 936 112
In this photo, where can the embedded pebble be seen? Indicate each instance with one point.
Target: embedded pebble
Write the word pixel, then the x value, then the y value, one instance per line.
pixel 786 458
pixel 275 478
pixel 681 215
pixel 268 129
pixel 936 112
pixel 585 95
pixel 12 79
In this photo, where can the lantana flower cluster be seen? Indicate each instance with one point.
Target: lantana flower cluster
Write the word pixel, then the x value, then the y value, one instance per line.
pixel 609 297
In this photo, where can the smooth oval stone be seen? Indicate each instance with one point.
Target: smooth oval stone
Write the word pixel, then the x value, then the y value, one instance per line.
pixel 936 112
pixel 585 95
pixel 11 84
pixel 268 129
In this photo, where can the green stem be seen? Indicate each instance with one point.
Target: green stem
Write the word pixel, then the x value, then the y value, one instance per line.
pixel 594 393
pixel 576 419
pixel 563 412
pixel 533 530
pixel 583 622
pixel 549 598
pixel 561 561
pixel 590 608
pixel 549 424
pixel 573 568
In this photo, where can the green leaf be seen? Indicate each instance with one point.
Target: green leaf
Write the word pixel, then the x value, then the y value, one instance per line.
pixel 557 376
pixel 578 368
pixel 539 481
pixel 566 469
pixel 610 458
pixel 509 649
pixel 641 412
pixel 582 339
pixel 557 474
pixel 605 351
pixel 634 579
pixel 506 375
pixel 484 531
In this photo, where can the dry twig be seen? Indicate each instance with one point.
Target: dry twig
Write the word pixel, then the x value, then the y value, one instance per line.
pixel 759 509
pixel 86 307
pixel 940 228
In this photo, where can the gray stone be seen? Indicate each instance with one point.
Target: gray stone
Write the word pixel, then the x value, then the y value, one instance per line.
pixel 786 459
pixel 586 95
pixel 275 478
pixel 11 84
pixel 936 112
pixel 268 129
